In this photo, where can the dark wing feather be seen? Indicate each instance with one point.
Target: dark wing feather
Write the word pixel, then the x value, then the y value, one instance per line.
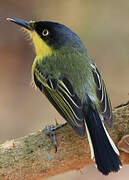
pixel 60 93
pixel 104 101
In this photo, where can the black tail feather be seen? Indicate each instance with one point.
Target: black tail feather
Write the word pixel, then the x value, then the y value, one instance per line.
pixel 106 158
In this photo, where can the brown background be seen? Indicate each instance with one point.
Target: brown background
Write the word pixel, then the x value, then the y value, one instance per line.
pixel 104 28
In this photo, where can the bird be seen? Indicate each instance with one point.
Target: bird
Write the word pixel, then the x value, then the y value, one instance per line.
pixel 70 79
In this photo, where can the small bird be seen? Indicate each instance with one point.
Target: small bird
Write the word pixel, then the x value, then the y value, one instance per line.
pixel 69 78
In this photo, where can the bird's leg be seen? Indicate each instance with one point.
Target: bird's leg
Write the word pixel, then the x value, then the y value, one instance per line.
pixel 49 129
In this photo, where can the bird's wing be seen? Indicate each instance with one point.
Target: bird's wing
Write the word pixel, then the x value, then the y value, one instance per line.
pixel 104 101
pixel 60 93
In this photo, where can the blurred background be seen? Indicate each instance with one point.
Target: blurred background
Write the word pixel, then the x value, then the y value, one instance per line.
pixel 104 28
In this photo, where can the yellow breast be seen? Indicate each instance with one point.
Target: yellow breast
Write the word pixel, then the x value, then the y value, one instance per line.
pixel 41 49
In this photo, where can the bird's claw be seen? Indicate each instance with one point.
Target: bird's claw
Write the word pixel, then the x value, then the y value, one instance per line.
pixel 50 132
pixel 49 129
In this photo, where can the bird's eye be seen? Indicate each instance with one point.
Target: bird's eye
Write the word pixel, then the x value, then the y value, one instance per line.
pixel 45 32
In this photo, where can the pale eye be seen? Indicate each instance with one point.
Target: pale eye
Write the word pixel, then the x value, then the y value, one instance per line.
pixel 45 32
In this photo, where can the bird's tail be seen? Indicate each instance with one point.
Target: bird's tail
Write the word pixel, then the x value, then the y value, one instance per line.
pixel 102 147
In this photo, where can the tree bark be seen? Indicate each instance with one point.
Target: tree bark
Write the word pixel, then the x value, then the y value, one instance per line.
pixel 33 157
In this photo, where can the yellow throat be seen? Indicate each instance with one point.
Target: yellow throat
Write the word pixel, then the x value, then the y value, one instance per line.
pixel 41 48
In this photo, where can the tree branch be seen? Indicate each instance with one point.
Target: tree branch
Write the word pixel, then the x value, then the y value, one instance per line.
pixel 33 156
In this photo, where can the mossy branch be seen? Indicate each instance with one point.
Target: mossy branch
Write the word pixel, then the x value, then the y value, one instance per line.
pixel 33 156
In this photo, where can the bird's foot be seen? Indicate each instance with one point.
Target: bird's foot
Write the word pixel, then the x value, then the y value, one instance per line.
pixel 50 131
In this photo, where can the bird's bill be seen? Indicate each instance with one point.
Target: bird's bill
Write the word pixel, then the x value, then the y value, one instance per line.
pixel 21 22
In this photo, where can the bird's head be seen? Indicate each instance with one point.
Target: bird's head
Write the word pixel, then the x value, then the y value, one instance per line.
pixel 48 37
